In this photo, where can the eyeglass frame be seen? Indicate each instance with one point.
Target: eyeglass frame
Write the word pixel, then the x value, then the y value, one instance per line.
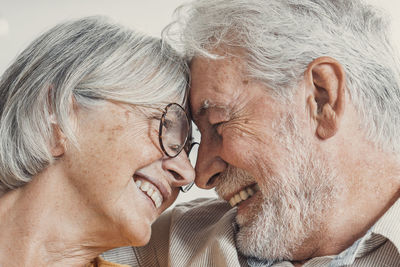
pixel 186 188
pixel 187 143
pixel 162 120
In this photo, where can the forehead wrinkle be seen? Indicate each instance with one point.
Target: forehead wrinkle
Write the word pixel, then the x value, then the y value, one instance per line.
pixel 220 84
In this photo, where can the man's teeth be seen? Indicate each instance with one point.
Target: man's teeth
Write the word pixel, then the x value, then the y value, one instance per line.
pixel 243 195
pixel 150 190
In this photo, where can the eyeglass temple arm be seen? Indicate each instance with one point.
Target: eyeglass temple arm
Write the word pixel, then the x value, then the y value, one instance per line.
pixel 187 187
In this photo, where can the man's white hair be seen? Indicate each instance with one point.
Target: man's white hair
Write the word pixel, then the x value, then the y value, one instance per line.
pixel 82 62
pixel 279 38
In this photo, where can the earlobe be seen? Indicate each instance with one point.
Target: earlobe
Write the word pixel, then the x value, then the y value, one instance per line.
pixel 57 146
pixel 325 80
pixel 328 122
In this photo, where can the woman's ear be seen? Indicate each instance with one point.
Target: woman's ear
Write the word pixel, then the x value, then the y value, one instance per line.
pixel 58 140
pixel 325 81
pixel 57 146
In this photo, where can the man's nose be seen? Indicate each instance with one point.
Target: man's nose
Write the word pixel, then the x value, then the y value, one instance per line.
pixel 182 172
pixel 209 165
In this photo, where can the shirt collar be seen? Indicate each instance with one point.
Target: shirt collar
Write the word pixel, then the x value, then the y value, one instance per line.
pixel 389 225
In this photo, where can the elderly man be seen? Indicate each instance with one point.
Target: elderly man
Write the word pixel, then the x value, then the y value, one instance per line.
pixel 298 105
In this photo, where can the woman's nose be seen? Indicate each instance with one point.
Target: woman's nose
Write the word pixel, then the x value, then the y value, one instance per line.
pixel 182 171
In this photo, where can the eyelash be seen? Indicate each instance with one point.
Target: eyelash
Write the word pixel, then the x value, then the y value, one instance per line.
pixel 217 126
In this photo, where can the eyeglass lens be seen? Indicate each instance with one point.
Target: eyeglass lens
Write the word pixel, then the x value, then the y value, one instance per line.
pixel 175 128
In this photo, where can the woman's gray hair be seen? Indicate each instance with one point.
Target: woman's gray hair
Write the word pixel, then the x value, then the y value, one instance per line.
pixel 82 61
pixel 280 38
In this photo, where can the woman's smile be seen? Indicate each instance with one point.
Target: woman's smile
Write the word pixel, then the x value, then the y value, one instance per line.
pixel 150 190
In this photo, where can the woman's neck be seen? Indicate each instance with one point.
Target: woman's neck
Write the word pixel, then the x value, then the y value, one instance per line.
pixel 45 223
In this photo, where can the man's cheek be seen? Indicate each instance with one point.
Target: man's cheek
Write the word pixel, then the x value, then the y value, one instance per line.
pixel 239 150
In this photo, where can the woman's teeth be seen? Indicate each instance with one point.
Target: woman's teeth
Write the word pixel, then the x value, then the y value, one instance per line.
pixel 150 190
pixel 243 195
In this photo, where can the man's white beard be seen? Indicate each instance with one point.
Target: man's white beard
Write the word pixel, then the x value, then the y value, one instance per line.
pixel 293 202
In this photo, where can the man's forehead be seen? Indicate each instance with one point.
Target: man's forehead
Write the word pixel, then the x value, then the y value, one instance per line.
pixel 208 94
pixel 216 83
pixel 214 72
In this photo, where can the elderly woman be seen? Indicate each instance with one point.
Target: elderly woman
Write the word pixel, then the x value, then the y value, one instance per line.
pixel 92 131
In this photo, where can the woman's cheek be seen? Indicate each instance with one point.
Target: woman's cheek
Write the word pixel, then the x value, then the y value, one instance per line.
pixel 149 151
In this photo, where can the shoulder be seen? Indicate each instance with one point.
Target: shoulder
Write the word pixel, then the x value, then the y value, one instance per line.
pixel 190 234
pixel 206 209
pixel 188 219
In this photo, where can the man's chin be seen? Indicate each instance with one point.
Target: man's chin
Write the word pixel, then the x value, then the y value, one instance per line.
pixel 257 223
pixel 248 210
pixel 274 229
pixel 260 236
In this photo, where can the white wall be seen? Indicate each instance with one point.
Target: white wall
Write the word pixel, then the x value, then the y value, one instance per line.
pixel 23 20
pixel 27 18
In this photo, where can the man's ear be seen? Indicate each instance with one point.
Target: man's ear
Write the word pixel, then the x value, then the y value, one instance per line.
pixel 325 84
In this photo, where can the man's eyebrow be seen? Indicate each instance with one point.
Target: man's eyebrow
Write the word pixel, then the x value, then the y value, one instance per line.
pixel 206 105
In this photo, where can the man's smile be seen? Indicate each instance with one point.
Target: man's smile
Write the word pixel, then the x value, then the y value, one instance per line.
pixel 244 194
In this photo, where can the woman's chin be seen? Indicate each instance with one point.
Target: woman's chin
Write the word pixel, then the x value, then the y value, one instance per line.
pixel 133 217
pixel 137 238
pixel 136 228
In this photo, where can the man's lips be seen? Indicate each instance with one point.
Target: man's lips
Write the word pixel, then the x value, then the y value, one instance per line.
pixel 156 192
pixel 243 194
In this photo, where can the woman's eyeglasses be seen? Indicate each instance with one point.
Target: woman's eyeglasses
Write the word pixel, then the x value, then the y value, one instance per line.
pixel 174 130
pixel 175 134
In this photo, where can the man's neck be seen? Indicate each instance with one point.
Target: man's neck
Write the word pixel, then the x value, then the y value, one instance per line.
pixel 371 188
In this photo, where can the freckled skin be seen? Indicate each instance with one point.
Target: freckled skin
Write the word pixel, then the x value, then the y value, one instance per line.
pixel 86 201
pixel 113 144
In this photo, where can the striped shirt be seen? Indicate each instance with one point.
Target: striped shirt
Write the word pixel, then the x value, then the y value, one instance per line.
pixel 202 233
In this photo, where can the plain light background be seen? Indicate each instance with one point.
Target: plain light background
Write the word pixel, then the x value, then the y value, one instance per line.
pixel 22 21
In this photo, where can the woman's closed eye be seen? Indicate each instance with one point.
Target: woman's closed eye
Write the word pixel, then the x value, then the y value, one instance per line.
pixel 167 123
pixel 174 147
